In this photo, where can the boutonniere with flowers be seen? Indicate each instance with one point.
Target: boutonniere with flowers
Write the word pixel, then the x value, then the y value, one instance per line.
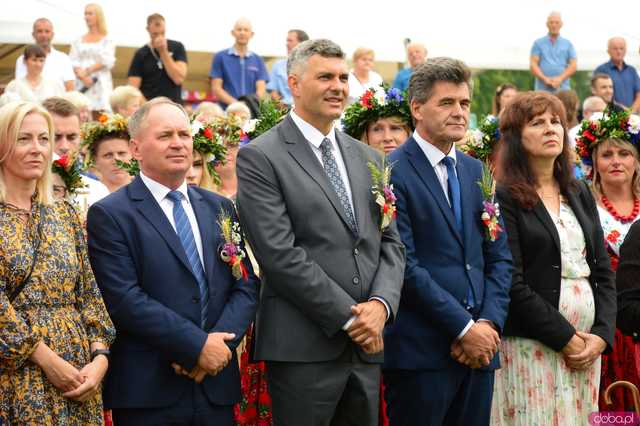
pixel 383 192
pixel 68 168
pixel 231 251
pixel 490 209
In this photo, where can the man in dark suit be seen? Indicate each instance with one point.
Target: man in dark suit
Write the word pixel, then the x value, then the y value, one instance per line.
pixel 332 277
pixel 178 310
pixel 440 351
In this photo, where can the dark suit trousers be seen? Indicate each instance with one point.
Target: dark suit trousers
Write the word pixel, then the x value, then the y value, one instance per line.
pixel 192 409
pixel 342 392
pixel 458 396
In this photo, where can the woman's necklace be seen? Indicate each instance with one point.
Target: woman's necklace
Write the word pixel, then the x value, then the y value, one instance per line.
pixel 617 216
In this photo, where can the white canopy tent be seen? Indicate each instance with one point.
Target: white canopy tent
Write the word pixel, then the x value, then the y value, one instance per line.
pixel 485 34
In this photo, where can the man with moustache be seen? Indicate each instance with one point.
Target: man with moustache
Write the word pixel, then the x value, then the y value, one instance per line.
pixel 331 275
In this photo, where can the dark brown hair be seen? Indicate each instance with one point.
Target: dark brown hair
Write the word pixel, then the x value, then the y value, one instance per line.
pixel 60 106
pixel 496 106
pixel 514 170
pixel 34 51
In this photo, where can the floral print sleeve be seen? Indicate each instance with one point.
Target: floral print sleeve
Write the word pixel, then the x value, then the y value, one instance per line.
pixel 89 301
pixel 17 339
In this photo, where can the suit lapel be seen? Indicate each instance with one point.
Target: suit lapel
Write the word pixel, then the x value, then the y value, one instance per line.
pixel 208 232
pixel 150 209
pixel 302 153
pixel 425 171
pixel 466 196
pixel 543 215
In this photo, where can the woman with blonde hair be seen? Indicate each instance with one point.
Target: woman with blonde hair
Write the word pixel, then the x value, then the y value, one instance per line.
pixel 54 327
pixel 610 145
pixel 208 150
pixel 92 56
pixel 381 119
pixel 125 100
pixel 362 77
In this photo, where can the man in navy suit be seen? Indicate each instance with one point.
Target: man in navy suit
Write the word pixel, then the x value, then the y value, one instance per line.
pixel 179 312
pixel 441 350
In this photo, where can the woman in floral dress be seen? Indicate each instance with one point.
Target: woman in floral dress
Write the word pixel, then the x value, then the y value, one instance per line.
pixel 562 310
pixel 54 327
pixel 616 189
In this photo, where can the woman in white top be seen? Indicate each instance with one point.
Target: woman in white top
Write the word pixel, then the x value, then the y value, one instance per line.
pixel 92 57
pixel 362 76
pixel 33 87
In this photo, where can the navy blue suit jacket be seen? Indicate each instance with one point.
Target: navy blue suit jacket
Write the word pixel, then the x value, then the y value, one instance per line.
pixel 153 297
pixel 441 263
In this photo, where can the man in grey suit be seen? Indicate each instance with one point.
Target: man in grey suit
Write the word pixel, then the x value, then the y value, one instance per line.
pixel 331 277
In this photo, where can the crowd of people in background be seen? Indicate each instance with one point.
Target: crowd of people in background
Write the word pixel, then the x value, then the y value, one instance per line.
pixel 315 246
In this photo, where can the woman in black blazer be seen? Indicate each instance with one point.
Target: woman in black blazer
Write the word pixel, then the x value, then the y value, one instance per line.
pixel 563 304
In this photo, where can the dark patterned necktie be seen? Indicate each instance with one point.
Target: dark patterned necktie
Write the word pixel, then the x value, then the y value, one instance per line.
pixel 331 168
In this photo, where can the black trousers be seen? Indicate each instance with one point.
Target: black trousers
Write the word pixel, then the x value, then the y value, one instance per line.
pixel 342 392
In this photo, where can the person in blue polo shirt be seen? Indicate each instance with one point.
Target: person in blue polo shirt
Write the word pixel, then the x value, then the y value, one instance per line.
pixel 626 82
pixel 236 71
pixel 553 58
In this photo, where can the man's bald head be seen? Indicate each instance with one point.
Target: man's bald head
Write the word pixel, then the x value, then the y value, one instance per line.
pixel 617 49
pixel 242 31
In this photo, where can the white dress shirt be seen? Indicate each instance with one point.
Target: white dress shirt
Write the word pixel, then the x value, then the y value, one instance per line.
pixel 159 192
pixel 435 157
pixel 315 138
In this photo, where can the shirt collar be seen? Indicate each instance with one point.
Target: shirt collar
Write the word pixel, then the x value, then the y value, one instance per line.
pixel 310 133
pixel 612 65
pixel 434 155
pixel 232 51
pixel 159 191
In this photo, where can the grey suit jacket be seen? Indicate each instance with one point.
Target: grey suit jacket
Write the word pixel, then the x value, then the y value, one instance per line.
pixel 314 267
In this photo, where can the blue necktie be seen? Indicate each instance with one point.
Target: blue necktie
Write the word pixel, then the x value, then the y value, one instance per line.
pixel 453 185
pixel 185 233
pixel 331 168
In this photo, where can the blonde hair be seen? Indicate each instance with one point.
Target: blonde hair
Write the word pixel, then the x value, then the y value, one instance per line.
pixel 122 95
pixel 79 100
pixel 101 21
pixel 206 181
pixel 596 186
pixel 11 117
pixel 394 119
pixel 209 108
pixel 362 51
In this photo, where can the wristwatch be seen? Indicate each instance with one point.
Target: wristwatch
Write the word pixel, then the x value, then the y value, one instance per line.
pixel 97 352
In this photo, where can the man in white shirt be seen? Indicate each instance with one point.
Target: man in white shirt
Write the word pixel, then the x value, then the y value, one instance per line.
pixel 57 65
pixel 331 274
pixel 456 289
pixel 159 258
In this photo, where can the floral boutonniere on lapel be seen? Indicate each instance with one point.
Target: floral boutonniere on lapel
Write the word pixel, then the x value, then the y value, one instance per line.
pixel 383 192
pixel 490 209
pixel 231 251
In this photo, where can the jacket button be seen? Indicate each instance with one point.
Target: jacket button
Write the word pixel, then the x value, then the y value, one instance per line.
pixel 356 280
pixel 468 267
pixel 356 251
pixel 195 300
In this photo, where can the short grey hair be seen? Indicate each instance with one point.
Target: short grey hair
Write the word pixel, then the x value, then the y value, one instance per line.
pixel 138 119
pixel 426 75
pixel 591 102
pixel 300 54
